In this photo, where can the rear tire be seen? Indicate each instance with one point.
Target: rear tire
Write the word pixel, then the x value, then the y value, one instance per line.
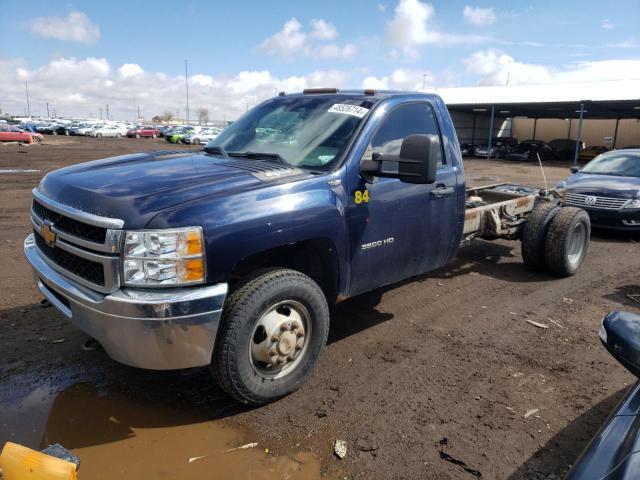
pixel 567 241
pixel 269 294
pixel 534 235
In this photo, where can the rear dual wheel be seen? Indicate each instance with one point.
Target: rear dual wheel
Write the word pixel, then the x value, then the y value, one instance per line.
pixel 273 329
pixel 567 241
pixel 556 239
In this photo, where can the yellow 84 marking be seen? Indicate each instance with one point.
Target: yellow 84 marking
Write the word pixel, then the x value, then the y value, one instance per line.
pixel 362 197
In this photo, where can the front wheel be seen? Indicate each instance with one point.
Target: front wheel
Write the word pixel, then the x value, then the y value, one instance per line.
pixel 137 135
pixel 98 135
pixel 196 141
pixel 118 135
pixel 273 329
pixel 153 136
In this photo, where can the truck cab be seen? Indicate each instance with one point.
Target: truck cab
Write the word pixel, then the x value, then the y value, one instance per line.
pixel 231 257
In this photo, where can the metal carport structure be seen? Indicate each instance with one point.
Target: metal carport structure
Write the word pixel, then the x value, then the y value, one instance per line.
pixel 612 100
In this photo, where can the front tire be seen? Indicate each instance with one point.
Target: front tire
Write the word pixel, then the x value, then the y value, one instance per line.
pixel 273 329
pixel 196 141
pixel 137 135
pixel 118 135
pixel 98 135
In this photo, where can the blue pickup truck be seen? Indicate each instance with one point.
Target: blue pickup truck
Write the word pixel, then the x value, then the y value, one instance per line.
pixel 232 256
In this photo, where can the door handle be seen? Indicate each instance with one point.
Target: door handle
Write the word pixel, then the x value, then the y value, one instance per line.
pixel 441 191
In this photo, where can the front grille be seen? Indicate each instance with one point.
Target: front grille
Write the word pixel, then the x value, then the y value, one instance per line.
pixel 580 200
pixel 92 272
pixel 69 225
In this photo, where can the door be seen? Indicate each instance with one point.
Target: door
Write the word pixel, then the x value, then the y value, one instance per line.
pixel 397 229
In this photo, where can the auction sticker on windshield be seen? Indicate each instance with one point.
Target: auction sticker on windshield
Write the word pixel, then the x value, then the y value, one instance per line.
pixel 353 110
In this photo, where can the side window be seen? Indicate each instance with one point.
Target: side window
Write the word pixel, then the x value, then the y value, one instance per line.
pixel 410 119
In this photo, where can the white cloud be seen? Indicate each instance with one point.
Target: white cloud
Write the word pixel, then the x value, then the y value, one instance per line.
pixel 497 68
pixel 75 27
pixel 293 41
pixel 81 86
pixel 607 24
pixel 410 29
pixel 479 16
pixel 130 69
pixel 400 79
pixel 323 30
pixel 287 42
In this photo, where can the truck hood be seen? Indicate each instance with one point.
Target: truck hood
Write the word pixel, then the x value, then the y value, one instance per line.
pixel 603 185
pixel 137 187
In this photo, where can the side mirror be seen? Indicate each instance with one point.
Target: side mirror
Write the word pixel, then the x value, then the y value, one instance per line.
pixel 574 169
pixel 620 334
pixel 414 164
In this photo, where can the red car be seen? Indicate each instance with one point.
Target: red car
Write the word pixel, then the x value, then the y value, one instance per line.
pixel 143 132
pixel 9 133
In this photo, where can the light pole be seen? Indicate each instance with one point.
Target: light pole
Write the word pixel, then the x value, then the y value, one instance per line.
pixel 26 88
pixel 424 76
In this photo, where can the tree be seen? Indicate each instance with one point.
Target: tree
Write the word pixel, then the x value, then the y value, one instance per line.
pixel 203 115
pixel 167 115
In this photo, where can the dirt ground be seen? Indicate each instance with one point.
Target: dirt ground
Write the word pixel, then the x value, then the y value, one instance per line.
pixel 444 362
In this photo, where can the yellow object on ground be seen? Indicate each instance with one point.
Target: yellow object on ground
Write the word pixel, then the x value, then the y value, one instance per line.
pixel 22 463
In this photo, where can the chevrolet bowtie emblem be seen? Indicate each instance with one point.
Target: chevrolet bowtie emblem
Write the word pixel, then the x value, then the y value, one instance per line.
pixel 46 230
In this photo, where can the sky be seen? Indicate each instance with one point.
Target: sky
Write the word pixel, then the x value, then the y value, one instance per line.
pixel 78 57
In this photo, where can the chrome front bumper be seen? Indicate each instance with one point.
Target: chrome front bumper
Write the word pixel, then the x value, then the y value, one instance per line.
pixel 158 329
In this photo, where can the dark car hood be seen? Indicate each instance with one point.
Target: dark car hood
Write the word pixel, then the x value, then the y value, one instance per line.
pixel 603 185
pixel 136 187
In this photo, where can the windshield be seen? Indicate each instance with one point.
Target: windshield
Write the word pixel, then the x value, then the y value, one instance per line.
pixel 621 163
pixel 305 131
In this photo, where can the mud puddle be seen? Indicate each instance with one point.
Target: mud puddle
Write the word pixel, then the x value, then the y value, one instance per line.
pixel 117 435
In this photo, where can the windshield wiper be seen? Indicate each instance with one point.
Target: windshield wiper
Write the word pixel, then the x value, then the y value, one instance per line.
pixel 215 150
pixel 273 157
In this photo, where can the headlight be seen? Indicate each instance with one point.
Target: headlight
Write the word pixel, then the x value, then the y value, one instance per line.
pixel 164 257
pixel 634 203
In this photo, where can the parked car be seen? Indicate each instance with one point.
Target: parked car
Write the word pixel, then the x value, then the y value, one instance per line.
pixel 500 147
pixel 608 188
pixel 589 153
pixel 613 453
pixel 179 133
pixel 564 148
pixel 143 131
pixel 164 129
pixel 11 133
pixel 54 129
pixel 468 149
pixel 203 136
pixel 235 252
pixel 528 151
pixel 115 131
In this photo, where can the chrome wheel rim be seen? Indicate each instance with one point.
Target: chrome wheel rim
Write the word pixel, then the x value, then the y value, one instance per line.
pixel 576 246
pixel 280 339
